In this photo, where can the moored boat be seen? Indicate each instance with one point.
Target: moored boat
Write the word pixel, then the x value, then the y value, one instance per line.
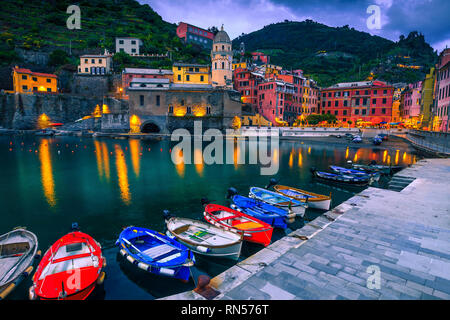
pixel 358 173
pixel 18 249
pixel 204 238
pixel 276 217
pixel 341 178
pixel 314 200
pixel 253 230
pixel 278 200
pixel 70 269
pixel 155 252
pixel 387 170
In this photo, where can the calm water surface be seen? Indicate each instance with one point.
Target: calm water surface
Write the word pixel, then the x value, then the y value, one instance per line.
pixel 104 185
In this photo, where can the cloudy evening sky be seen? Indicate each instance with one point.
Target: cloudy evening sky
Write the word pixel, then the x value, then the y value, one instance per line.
pixel 430 17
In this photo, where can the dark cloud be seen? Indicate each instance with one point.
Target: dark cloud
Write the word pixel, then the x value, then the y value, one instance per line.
pixel 430 17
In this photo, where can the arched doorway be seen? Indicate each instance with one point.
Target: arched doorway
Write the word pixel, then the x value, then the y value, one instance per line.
pixel 150 127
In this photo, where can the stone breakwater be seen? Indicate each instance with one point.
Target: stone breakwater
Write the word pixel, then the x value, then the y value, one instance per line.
pixel 403 235
pixel 22 111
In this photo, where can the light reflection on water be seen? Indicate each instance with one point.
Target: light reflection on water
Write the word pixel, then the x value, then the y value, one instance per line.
pixel 48 183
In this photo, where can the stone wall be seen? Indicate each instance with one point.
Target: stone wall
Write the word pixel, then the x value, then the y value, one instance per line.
pixel 22 111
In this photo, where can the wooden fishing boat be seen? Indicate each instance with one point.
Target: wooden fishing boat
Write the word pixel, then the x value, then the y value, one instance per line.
pixel 155 252
pixel 274 216
pixel 204 238
pixel 253 230
pixel 18 249
pixel 358 173
pixel 278 200
pixel 314 200
pixel 70 269
pixel 387 170
pixel 341 178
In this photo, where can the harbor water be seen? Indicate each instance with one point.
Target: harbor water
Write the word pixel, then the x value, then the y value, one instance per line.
pixel 47 183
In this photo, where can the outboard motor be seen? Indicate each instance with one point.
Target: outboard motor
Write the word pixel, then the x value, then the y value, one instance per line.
pixel 167 215
pixel 313 169
pixel 204 201
pixel 272 182
pixel 231 192
pixel 75 226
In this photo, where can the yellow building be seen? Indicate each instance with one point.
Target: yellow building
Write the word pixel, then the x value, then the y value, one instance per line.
pixel 242 65
pixel 186 73
pixel 95 64
pixel 26 81
pixel 272 69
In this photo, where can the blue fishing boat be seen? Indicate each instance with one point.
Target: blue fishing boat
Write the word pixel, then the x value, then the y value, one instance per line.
pixel 155 252
pixel 358 173
pixel 377 140
pixel 278 200
pixel 341 178
pixel 276 217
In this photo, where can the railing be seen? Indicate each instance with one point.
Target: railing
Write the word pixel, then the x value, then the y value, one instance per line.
pixel 436 142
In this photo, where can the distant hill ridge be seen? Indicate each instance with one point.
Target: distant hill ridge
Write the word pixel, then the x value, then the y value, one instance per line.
pixel 339 54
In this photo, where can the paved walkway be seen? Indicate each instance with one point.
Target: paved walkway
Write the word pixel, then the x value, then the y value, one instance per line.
pixel 405 235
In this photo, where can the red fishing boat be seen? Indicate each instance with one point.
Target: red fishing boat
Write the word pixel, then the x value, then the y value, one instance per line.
pixel 70 269
pixel 254 230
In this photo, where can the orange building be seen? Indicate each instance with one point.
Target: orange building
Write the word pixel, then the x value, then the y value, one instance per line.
pixel 26 81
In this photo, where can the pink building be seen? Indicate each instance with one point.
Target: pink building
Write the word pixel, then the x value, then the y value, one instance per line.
pixel 192 34
pixel 411 101
pixel 442 91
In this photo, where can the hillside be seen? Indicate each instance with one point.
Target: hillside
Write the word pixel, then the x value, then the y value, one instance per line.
pixel 332 55
pixel 40 25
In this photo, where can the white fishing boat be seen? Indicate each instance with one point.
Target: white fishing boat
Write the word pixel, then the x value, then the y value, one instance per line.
pixel 314 200
pixel 204 238
pixel 17 252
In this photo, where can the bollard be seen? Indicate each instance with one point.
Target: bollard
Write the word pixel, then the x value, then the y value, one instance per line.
pixel 204 289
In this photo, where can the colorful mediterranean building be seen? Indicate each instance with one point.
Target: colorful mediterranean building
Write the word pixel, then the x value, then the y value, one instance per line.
pixel 367 102
pixel 410 105
pixel 442 92
pixel 129 73
pixel 187 73
pixel 246 82
pixel 426 102
pixel 260 58
pixel 192 34
pixel 27 81
pixel 128 45
pixel 91 64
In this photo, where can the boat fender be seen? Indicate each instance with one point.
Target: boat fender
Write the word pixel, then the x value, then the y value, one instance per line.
pixel 104 262
pixel 167 272
pixel 28 271
pixel 32 293
pixel 7 291
pixel 101 278
pixel 38 255
pixel 202 249
pixel 122 252
pixel 130 258
pixel 143 266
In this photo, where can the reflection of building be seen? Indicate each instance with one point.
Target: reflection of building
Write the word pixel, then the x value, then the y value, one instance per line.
pixel 26 81
pixel 187 73
pixel 128 45
pixel 364 101
pixel 192 34
pixel 222 60
pixel 442 91
pixel 170 106
pixel 95 64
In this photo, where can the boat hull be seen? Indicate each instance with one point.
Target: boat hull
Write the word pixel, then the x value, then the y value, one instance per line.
pixel 314 200
pixel 295 208
pixel 160 255
pixel 252 229
pixel 205 239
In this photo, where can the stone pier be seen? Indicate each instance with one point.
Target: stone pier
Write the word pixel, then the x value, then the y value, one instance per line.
pixel 401 236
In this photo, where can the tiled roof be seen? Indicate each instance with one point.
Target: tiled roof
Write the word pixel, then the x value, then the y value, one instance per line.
pixel 28 71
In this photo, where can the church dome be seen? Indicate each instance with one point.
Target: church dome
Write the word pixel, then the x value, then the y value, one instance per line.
pixel 222 36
